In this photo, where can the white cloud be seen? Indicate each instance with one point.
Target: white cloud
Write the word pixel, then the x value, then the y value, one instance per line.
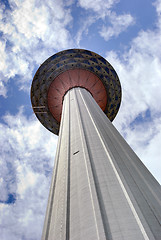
pixel 157 4
pixel 112 24
pixel 99 6
pixel 3 90
pixel 28 28
pixel 27 157
pixel 118 24
pixel 84 28
pixel 2 68
pixel 139 70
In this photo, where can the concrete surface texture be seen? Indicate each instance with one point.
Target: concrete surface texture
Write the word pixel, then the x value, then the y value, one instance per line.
pixel 100 189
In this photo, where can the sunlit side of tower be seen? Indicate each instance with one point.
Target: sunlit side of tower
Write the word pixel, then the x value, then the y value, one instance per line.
pixel 100 189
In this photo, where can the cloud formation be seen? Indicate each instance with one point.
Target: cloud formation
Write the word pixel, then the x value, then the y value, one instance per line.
pixel 27 151
pixel 99 6
pixel 27 27
pixel 112 24
pixel 118 25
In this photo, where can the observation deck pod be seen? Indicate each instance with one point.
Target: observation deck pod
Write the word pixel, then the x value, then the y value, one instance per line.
pixel 69 69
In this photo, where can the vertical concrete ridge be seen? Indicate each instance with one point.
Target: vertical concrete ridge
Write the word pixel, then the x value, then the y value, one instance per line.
pixel 47 221
pixel 68 180
pixel 86 158
pixel 104 217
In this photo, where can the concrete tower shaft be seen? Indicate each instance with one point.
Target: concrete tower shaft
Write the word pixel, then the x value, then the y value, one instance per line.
pixel 100 189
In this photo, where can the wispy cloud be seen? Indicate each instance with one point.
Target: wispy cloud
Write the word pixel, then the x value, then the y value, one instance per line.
pixel 99 6
pixel 112 24
pixel 27 157
pixel 118 24
pixel 27 27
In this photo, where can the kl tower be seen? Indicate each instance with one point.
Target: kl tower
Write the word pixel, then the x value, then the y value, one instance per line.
pixel 100 190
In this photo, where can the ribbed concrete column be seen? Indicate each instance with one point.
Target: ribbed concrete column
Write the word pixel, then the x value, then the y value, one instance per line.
pixel 100 189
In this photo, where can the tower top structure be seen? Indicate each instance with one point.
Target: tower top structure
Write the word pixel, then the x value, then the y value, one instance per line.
pixel 69 69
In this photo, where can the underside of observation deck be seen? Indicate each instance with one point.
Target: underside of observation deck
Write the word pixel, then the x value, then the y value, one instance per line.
pixel 68 69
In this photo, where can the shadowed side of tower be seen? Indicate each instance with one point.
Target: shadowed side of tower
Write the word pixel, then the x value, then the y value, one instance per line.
pixel 100 189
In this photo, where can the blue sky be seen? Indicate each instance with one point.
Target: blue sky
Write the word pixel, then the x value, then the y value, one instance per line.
pixel 127 34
